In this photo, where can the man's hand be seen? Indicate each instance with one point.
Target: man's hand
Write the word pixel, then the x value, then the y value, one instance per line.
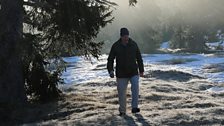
pixel 141 74
pixel 111 74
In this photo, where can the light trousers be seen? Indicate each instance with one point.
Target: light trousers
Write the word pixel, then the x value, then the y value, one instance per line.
pixel 122 84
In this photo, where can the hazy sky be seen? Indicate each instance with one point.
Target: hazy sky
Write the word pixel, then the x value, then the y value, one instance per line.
pixel 153 12
pixel 149 15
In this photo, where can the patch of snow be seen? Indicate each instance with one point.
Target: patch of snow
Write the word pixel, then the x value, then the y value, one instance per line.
pixel 165 45
pixel 214 45
pixel 81 70
pixel 217 90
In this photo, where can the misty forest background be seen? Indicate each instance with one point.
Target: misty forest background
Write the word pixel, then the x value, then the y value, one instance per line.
pixel 34 34
pixel 186 24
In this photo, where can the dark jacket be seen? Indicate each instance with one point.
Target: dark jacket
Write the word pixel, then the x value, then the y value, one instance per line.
pixel 128 59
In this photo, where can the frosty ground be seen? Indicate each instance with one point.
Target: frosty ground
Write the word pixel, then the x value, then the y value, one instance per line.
pixel 181 89
pixel 166 98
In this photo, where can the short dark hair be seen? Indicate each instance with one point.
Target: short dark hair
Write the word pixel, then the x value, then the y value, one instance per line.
pixel 124 31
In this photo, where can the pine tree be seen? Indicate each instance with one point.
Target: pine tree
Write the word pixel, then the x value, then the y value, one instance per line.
pixel 37 33
pixel 11 75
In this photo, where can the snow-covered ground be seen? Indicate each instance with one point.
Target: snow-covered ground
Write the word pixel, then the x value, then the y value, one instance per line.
pixel 165 45
pixel 211 45
pixel 216 45
pixel 80 70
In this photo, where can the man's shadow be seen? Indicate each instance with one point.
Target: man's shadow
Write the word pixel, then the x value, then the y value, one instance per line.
pixel 140 119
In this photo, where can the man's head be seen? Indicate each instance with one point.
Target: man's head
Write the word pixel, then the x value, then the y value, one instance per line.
pixel 124 35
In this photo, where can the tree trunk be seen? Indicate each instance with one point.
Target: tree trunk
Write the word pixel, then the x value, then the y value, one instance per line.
pixel 12 89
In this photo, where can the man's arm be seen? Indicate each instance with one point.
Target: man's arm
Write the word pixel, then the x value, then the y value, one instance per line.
pixel 110 61
pixel 140 62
